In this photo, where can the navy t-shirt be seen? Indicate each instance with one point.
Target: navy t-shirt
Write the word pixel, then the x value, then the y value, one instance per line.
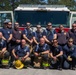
pixel 2 44
pixel 6 33
pixel 41 48
pixel 28 33
pixel 56 50
pixel 69 50
pixel 38 35
pixel 21 52
pixel 72 34
pixel 49 34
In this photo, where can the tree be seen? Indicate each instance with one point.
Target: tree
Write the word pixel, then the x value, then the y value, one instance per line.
pixel 69 3
pixel 10 4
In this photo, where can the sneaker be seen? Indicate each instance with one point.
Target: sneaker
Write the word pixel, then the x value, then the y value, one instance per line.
pixel 60 68
pixel 73 68
pixel 7 67
pixel 45 68
pixel 29 66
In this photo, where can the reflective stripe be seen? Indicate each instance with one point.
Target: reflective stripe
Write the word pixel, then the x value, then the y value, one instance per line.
pixel 44 47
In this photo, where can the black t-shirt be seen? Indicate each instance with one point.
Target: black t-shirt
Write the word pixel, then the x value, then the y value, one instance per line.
pixel 56 50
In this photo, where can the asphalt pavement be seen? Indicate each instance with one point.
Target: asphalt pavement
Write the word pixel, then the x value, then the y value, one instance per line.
pixel 32 71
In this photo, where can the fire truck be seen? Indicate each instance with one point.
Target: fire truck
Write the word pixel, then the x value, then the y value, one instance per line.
pixel 40 14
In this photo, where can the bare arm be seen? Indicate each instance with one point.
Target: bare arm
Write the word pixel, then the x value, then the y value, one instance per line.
pixel 26 55
pixel 51 55
pixel 35 40
pixel 10 37
pixel 3 50
pixel 24 36
pixel 61 53
pixel 13 52
pixel 45 52
pixel 55 36
pixel 3 38
pixel 46 39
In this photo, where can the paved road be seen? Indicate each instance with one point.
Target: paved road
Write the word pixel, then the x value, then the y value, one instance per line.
pixel 31 71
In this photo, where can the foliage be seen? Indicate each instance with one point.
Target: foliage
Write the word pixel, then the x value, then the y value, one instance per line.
pixel 10 4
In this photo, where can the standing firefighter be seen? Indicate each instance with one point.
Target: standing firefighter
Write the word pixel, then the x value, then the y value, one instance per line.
pixel 62 36
pixel 21 55
pixel 28 35
pixel 49 34
pixel 37 34
pixel 7 34
pixel 16 35
pixel 4 55
pixel 72 33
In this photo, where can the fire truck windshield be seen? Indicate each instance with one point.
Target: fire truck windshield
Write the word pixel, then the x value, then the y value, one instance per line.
pixel 42 17
pixel 5 15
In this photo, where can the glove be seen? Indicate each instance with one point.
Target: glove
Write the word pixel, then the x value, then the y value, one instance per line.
pixel 69 58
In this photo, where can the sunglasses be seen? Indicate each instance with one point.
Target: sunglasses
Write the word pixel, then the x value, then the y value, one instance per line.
pixel 49 25
pixel 73 26
pixel 54 42
pixel 9 24
pixel 70 41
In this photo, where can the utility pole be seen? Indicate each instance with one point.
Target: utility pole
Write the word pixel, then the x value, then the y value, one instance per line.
pixel 13 5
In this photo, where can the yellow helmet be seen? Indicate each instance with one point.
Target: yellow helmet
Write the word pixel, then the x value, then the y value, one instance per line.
pixel 18 64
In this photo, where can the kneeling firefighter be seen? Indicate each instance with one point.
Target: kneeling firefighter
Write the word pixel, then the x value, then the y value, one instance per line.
pixel 4 54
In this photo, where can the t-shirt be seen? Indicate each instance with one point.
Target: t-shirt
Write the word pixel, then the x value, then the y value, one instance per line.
pixel 69 50
pixel 56 50
pixel 38 35
pixel 6 33
pixel 28 33
pixel 49 34
pixel 2 44
pixel 41 48
pixel 17 35
pixel 22 51
pixel 72 34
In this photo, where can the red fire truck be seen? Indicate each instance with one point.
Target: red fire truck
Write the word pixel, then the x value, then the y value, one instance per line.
pixel 40 14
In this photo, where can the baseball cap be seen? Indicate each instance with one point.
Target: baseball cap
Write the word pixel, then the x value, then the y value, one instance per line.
pixel 6 21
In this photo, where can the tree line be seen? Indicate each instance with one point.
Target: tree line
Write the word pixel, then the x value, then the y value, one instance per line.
pixel 11 4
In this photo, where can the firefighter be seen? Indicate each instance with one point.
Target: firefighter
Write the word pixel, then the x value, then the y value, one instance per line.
pixel 4 54
pixel 69 54
pixel 49 33
pixel 72 33
pixel 56 55
pixel 41 54
pixel 22 52
pixel 7 35
pixel 37 34
pixel 28 35
pixel 62 36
